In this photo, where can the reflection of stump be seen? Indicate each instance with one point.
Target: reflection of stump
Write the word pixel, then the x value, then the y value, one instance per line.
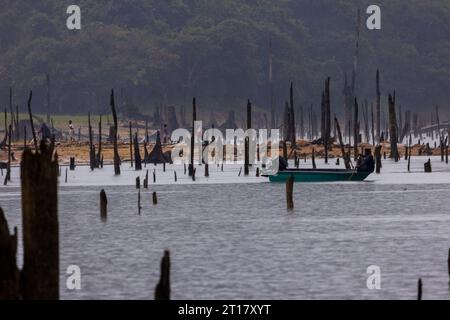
pixel 427 166
pixel 162 291
pixel 40 274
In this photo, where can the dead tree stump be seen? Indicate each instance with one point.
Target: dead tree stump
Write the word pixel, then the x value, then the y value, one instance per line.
pixel 289 193
pixel 162 291
pixel 114 136
pixel 40 274
pixel 137 154
pixel 427 166
pixel 138 182
pixel 378 164
pixel 103 205
pixel 72 164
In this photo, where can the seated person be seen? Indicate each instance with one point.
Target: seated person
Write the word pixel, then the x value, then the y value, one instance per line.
pixel 367 163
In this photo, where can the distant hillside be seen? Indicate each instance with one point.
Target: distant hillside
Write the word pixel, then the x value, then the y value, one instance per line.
pixel 166 51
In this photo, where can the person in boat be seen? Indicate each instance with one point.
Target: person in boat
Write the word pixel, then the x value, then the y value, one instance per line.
pixel 367 162
pixel 282 164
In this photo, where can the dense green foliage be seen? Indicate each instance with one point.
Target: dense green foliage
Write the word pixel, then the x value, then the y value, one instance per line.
pixel 166 51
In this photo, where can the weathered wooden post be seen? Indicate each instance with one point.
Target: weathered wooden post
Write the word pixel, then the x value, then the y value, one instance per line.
pixel 116 128
pixel 155 198
pixel 289 192
pixel 103 205
pixel 162 291
pixel 154 176
pixel 206 170
pixel 65 180
pixel 40 274
pixel 175 176
pixel 257 172
pixel 378 164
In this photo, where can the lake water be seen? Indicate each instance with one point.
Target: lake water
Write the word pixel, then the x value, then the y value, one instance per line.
pixel 238 241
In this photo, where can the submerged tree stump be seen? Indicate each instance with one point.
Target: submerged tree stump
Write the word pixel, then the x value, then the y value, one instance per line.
pixel 103 205
pixel 289 193
pixel 162 291
pixel 378 164
pixel 72 164
pixel 427 166
pixel 40 274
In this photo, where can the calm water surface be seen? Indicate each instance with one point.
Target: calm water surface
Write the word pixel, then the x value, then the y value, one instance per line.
pixel 238 241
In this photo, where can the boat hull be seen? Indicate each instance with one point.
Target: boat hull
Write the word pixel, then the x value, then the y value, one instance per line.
pixel 318 175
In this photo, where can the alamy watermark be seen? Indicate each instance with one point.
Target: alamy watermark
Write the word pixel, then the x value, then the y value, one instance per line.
pixel 209 147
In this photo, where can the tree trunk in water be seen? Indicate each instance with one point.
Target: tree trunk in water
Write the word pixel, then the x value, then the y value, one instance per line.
pixel 137 154
pixel 40 274
pixel 116 150
pixel 393 128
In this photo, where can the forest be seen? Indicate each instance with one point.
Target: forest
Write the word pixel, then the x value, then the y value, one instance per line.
pixel 164 52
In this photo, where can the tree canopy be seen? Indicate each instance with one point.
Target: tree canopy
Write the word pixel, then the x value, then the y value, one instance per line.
pixel 167 51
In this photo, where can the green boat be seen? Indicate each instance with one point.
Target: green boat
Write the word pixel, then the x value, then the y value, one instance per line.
pixel 318 175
